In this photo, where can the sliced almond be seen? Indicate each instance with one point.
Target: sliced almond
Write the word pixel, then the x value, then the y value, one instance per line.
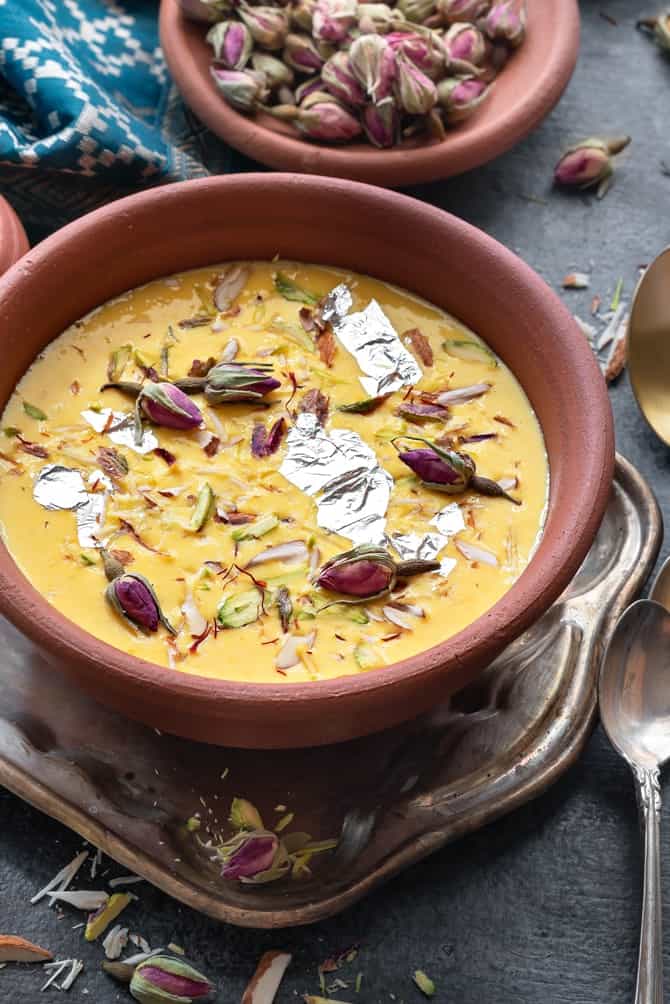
pixel 266 980
pixel 15 949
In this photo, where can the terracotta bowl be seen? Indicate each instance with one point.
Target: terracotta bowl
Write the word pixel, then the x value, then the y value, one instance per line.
pixel 524 93
pixel 13 240
pixel 396 239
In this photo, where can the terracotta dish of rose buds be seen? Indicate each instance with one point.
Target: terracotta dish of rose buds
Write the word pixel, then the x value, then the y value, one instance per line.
pixel 391 94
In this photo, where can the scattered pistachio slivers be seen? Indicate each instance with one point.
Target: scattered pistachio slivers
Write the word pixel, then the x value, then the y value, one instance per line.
pixel 469 350
pixel 291 291
pixel 424 983
pixel 251 531
pixel 203 508
pixel 240 609
pixel 365 656
pixel 34 412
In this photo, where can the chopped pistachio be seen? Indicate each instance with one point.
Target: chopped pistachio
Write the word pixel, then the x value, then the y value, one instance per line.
pixel 291 291
pixel 358 616
pixel 118 362
pixel 85 560
pixel 102 918
pixel 34 412
pixel 469 350
pixel 193 824
pixel 244 815
pixel 359 980
pixel 259 527
pixel 424 983
pixel 203 508
pixel 11 431
pixel 365 406
pixel 243 608
pixel 365 656
pixel 284 822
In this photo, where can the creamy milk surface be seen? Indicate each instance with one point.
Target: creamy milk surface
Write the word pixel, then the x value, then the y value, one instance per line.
pixel 197 512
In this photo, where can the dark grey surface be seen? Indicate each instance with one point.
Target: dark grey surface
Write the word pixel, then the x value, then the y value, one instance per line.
pixel 544 905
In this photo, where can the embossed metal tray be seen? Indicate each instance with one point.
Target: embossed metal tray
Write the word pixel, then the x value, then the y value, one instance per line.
pixel 391 798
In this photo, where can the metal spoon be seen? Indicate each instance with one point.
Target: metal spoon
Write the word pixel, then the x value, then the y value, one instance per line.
pixel 649 345
pixel 634 693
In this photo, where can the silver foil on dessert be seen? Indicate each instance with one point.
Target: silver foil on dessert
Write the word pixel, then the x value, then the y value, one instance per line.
pixel 122 429
pixel 418 546
pixel 353 489
pixel 90 518
pixel 59 487
pixel 373 342
pixel 449 520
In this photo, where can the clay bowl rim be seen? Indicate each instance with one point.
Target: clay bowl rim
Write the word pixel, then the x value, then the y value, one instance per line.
pixel 535 590
pixel 526 91
pixel 13 239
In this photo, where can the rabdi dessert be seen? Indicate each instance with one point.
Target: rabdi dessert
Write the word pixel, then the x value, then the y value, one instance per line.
pixel 271 472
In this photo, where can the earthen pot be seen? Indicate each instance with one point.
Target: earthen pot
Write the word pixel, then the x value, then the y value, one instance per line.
pixel 396 239
pixel 13 240
pixel 523 94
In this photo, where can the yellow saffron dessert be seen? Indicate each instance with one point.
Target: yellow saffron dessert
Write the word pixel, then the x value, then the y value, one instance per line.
pixel 271 472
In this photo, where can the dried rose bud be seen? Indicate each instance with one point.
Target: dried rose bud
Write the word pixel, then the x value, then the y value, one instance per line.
pixel 464 44
pixel 373 63
pixel 248 854
pixel 162 978
pixel 376 17
pixel 317 98
pixel 339 79
pixel 448 471
pixel 301 53
pixel 416 93
pixel 242 89
pixel 277 74
pixel 302 14
pixel 204 10
pixel 268 25
pixel 164 404
pixel 461 96
pixel 423 50
pixel 232 43
pixel 308 87
pixel 330 121
pixel 230 382
pixel 505 23
pixel 365 571
pixel 381 123
pixel 588 162
pixel 417 10
pixel 332 19
pixel 133 597
pixel 661 29
pixel 461 10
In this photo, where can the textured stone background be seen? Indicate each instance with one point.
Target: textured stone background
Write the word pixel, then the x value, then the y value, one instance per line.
pixel 544 905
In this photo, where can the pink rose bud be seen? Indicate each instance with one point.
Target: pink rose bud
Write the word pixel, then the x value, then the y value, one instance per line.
pixel 416 93
pixel 376 17
pixel 232 43
pixel 302 14
pixel 165 404
pixel 308 87
pixel 589 162
pixel 231 382
pixel 365 571
pixel 506 22
pixel 133 597
pixel 268 25
pixel 460 97
pixel 328 121
pixel 464 43
pixel 332 19
pixel 242 89
pixel 301 53
pixel 249 854
pixel 448 471
pixel 163 978
pixel 461 10
pixel 373 64
pixel 339 79
pixel 277 74
pixel 381 123
pixel 416 10
pixel 426 51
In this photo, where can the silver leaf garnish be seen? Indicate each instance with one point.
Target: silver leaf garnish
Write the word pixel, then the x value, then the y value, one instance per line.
pixel 122 430
pixel 374 343
pixel 98 477
pixel 354 490
pixel 58 487
pixel 447 565
pixel 337 304
pixel 449 520
pixel 415 546
pixel 90 518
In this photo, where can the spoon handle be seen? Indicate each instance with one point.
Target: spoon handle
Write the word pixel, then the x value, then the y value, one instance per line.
pixel 649 988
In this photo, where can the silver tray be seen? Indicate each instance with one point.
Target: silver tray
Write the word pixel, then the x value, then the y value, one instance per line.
pixel 391 798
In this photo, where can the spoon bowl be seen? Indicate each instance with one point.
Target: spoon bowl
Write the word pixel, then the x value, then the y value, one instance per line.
pixel 649 345
pixel 634 693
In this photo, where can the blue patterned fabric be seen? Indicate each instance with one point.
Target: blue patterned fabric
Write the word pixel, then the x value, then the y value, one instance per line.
pixel 84 89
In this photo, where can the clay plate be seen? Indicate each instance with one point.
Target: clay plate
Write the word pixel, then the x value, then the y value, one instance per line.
pixel 524 93
pixel 392 798
pixel 13 240
pixel 399 240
